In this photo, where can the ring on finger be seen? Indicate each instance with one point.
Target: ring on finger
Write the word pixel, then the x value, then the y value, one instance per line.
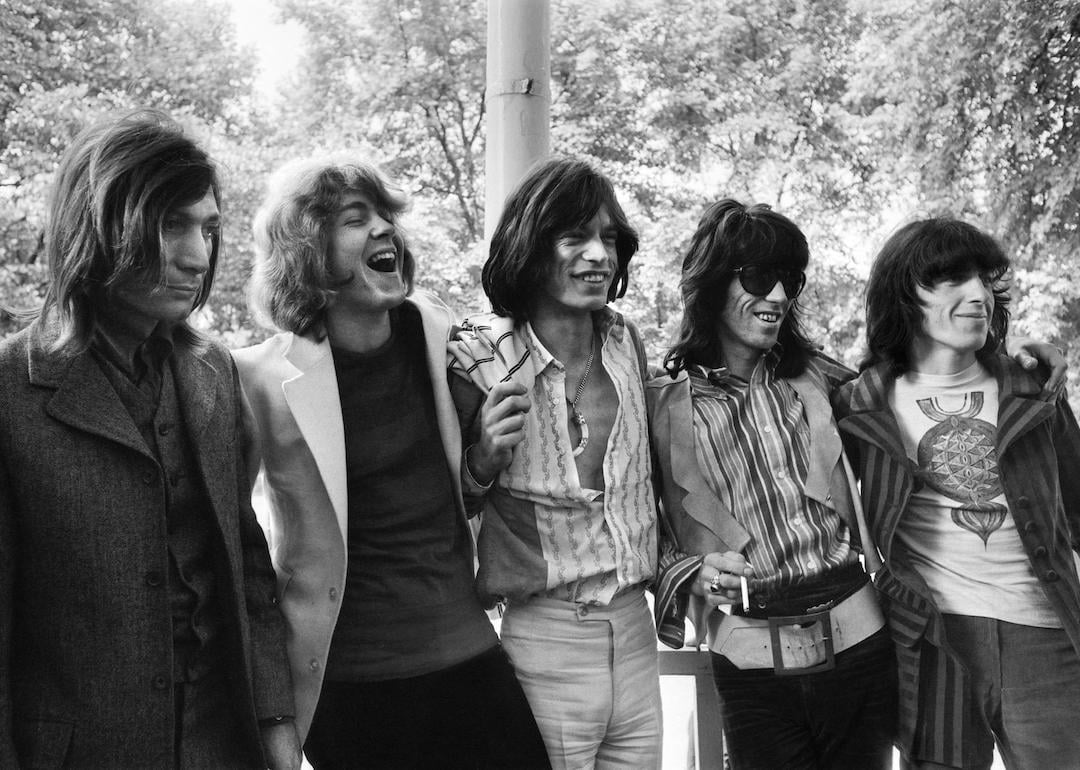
pixel 714 584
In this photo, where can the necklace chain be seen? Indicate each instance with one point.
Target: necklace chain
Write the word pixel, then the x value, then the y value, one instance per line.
pixel 584 377
pixel 575 415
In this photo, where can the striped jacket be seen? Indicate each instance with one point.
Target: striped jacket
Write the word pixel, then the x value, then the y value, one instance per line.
pixel 694 520
pixel 1038 449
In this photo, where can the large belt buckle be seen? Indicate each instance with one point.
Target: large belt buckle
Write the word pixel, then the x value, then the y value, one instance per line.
pixel 807 638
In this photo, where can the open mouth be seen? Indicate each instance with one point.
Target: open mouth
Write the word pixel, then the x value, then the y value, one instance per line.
pixel 383 261
pixel 769 318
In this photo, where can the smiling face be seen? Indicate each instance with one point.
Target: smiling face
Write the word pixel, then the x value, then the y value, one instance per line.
pixel 582 269
pixel 187 243
pixel 956 319
pixel 363 252
pixel 748 326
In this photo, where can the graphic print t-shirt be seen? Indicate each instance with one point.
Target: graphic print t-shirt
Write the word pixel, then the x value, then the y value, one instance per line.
pixel 957 525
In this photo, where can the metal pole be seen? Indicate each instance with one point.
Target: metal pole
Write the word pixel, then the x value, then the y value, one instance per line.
pixel 518 97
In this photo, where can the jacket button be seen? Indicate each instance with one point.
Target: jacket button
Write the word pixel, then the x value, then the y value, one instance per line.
pixel 333 593
pixel 148 478
pixel 314 664
pixel 1050 576
pixel 1030 526
pixel 1023 501
pixel 153 579
pixel 164 428
pixel 160 682
pixel 1040 552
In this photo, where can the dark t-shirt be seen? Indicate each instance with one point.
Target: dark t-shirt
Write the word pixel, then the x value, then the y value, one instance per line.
pixel 409 607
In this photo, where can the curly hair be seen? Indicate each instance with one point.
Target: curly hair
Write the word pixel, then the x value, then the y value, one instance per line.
pixel 115 184
pixel 920 254
pixel 557 195
pixel 292 285
pixel 731 235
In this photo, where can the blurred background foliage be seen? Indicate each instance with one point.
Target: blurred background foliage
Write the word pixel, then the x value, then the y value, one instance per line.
pixel 849 116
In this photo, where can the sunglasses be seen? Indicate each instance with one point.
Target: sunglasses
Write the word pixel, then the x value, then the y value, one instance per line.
pixel 759 280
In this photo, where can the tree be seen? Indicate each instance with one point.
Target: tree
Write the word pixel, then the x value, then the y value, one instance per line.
pixel 403 81
pixel 975 109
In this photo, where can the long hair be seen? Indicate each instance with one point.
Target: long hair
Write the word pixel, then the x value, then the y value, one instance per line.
pixel 556 195
pixel 731 235
pixel 292 285
pixel 114 186
pixel 921 254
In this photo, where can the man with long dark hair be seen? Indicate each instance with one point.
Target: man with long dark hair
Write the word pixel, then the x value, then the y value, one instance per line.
pixel 138 626
pixel 757 499
pixel 568 539
pixel 970 483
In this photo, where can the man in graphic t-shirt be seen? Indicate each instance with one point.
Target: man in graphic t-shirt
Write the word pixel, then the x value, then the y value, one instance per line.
pixel 971 489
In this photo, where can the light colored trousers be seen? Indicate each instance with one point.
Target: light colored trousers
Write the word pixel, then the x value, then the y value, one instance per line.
pixel 590 674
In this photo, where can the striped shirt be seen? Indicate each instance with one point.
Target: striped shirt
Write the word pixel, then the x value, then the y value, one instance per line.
pixel 752 443
pixel 543 532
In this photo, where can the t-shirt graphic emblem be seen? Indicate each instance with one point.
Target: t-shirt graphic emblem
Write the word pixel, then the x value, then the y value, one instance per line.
pixel 960 462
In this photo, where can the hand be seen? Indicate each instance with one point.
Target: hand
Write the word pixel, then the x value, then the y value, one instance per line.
pixel 502 427
pixel 281 746
pixel 719 581
pixel 1030 354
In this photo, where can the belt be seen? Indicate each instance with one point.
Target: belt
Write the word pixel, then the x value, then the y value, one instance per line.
pixel 796 644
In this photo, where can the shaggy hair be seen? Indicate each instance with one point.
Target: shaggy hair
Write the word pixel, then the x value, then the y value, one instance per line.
pixel 924 253
pixel 557 195
pixel 292 285
pixel 731 235
pixel 115 185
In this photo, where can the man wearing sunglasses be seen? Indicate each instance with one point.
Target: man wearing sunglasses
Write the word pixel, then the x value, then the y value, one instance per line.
pixel 754 488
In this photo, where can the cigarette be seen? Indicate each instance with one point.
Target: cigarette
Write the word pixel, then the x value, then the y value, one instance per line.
pixel 745 593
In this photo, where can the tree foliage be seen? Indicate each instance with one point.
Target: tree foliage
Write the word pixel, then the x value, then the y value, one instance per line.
pixel 849 116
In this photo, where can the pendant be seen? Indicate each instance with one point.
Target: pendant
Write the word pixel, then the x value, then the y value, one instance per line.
pixel 583 426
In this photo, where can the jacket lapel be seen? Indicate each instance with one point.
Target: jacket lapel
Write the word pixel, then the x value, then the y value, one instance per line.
pixel 435 339
pixel 84 398
pixel 1020 407
pixel 312 397
pixel 824 439
pixel 700 503
pixel 199 386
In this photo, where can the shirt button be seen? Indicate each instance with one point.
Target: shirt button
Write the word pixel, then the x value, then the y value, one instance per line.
pixel 160 682
pixel 148 478
pixel 582 611
pixel 766 429
pixel 314 664
pixel 781 475
pixel 164 428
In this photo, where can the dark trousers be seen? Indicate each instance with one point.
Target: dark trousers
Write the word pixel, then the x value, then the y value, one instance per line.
pixel 472 715
pixel 842 718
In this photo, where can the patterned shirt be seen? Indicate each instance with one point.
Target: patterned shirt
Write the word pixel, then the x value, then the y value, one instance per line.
pixel 752 442
pixel 543 533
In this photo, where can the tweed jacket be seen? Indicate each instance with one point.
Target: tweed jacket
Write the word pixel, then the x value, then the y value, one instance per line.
pixel 290 383
pixel 695 521
pixel 85 624
pixel 1038 451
